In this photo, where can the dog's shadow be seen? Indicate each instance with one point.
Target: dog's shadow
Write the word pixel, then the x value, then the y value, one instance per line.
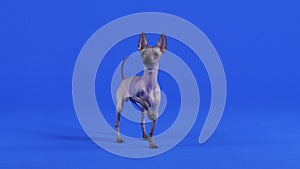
pixel 53 137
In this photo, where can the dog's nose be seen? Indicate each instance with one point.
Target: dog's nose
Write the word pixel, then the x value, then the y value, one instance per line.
pixel 147 60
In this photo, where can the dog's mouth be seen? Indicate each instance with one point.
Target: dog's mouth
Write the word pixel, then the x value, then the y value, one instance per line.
pixel 150 67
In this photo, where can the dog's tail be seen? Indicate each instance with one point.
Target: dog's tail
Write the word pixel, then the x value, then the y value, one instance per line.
pixel 122 68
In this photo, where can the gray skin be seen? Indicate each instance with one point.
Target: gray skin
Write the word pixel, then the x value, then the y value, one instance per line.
pixel 144 91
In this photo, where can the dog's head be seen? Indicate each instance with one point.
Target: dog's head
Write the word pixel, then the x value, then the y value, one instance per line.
pixel 151 54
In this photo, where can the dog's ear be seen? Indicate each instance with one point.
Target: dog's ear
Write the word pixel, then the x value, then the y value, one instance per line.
pixel 143 42
pixel 162 43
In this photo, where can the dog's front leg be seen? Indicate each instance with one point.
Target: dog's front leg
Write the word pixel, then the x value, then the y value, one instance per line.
pixel 145 105
pixel 151 141
pixel 144 133
pixel 152 144
pixel 155 97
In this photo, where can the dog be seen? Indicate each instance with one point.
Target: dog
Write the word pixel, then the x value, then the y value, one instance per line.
pixel 143 91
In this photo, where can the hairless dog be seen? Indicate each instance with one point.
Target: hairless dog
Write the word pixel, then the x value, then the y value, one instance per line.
pixel 143 91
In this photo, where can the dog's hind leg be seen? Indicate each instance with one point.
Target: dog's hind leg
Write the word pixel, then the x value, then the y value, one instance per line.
pixel 119 108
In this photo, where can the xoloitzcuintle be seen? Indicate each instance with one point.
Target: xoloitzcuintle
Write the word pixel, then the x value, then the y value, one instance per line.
pixel 143 91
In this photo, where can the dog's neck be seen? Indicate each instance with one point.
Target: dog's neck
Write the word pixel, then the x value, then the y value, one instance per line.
pixel 150 75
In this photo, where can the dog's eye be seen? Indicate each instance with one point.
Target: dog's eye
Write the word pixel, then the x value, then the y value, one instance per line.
pixel 155 55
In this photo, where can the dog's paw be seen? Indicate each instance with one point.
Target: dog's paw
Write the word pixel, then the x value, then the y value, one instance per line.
pixel 153 146
pixel 119 140
pixel 145 137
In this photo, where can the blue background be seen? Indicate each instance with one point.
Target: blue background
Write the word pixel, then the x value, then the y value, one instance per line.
pixel 258 43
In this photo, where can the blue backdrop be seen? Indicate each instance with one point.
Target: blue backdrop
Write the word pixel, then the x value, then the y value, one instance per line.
pixel 258 43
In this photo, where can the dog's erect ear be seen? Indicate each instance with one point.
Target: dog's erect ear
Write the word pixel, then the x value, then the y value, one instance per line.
pixel 162 43
pixel 143 42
